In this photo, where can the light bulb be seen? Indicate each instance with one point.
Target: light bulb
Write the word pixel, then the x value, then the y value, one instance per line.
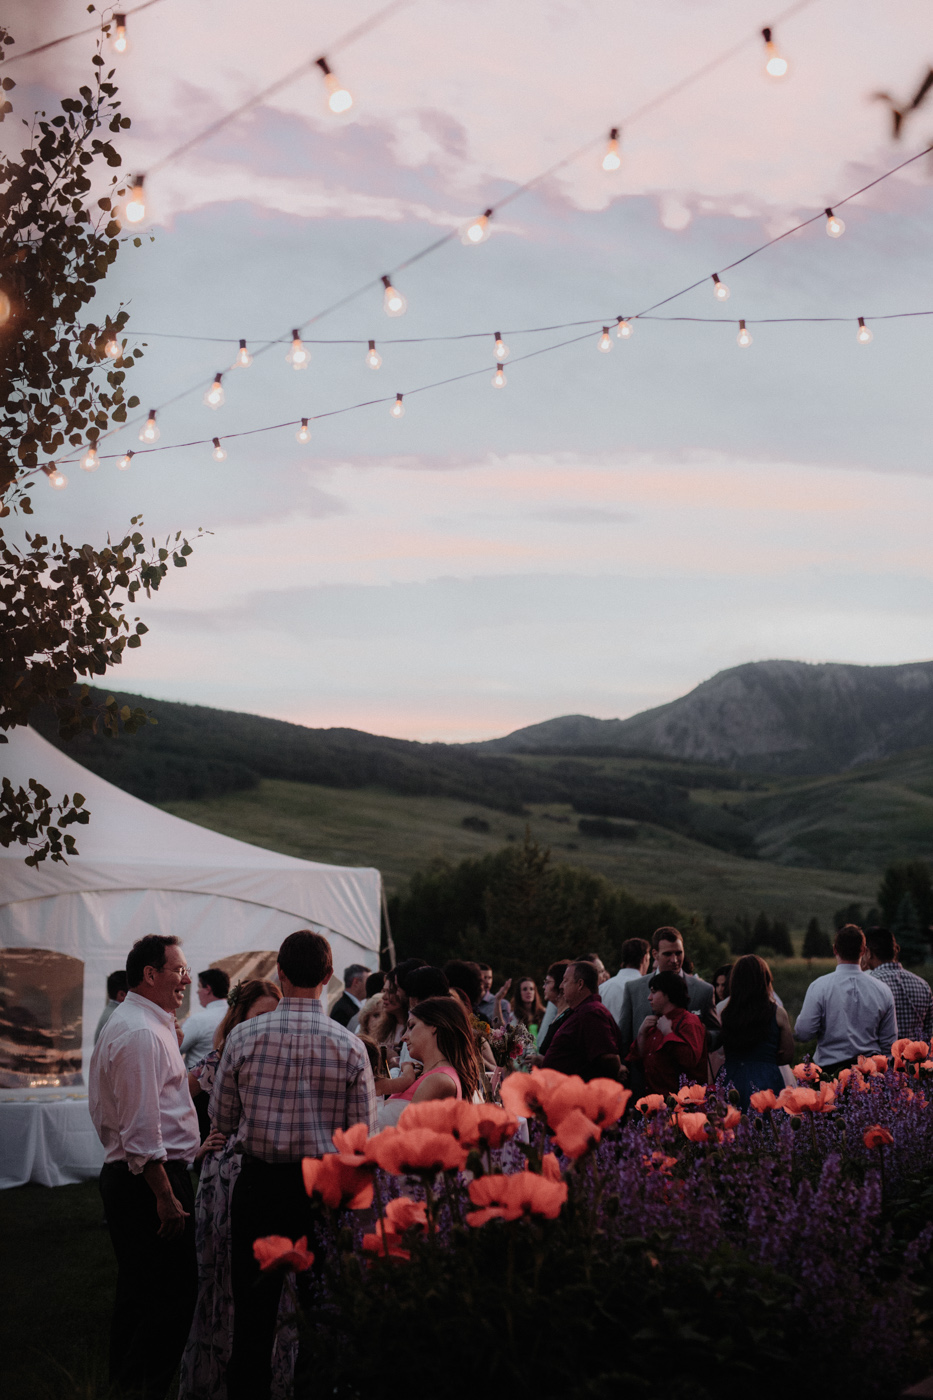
pixel 863 335
pixel 373 358
pixel 243 358
pixel 215 394
pixel 775 65
pixel 498 379
pixel 743 338
pixel 720 290
pixel 112 348
pixel 57 479
pixel 477 230
pixel 219 453
pixel 297 356
pixel 393 301
pixel 149 432
pixel 624 330
pixel 304 433
pixel 118 40
pixel 605 344
pixel 124 462
pixel 135 208
pixel 339 100
pixel 502 350
pixel 612 160
pixel 398 408
pixel 834 227
pixel 6 307
pixel 90 461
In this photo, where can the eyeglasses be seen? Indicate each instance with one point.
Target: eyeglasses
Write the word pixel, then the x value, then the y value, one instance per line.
pixel 175 971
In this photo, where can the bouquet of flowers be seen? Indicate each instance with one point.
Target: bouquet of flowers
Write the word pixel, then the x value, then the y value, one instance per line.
pixel 512 1045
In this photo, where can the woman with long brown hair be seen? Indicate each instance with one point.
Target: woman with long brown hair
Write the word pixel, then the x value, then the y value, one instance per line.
pixel 440 1039
pixel 756 1033
pixel 527 1004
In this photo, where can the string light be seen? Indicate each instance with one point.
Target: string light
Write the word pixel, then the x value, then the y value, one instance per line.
pixel 57 478
pixel 373 358
pixel 393 301
pixel 90 461
pixel 398 408
pixel 135 208
pixel 743 338
pixel 863 335
pixel 125 461
pixel 243 358
pixel 149 432
pixel 605 344
pixel 297 356
pixel 339 100
pixel 502 350
pixel 775 65
pixel 624 329
pixel 215 394
pixel 834 226
pixel 219 453
pixel 303 434
pixel 477 230
pixel 720 290
pixel 118 40
pixel 498 379
pixel 112 348
pixel 612 160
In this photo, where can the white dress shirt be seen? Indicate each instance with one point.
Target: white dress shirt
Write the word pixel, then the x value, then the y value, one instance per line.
pixel 198 1031
pixel 138 1088
pixel 612 992
pixel 550 1011
pixel 851 1012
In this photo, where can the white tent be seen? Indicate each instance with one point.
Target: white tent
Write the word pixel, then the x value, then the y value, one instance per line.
pixel 141 871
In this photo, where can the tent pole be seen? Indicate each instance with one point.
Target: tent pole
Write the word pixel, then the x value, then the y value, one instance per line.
pixel 390 945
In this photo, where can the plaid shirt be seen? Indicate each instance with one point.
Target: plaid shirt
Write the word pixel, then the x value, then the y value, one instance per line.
pixel 913 1000
pixel 288 1079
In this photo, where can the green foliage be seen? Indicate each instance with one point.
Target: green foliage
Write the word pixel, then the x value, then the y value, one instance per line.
pixel 26 818
pixel 816 941
pixel 747 936
pixel 906 878
pixel 913 939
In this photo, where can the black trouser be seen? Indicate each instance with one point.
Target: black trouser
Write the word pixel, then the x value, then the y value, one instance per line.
pixel 157 1281
pixel 267 1200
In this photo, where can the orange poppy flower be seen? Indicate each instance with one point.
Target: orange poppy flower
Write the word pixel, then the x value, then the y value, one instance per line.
pixel 651 1103
pixel 915 1051
pixel 351 1145
pixel 339 1186
pixel 386 1243
pixel 603 1101
pixel 494 1125
pixel 527 1094
pixel 872 1064
pixel 277 1252
pixel 926 1064
pixel 694 1126
pixel 550 1167
pixel 576 1134
pixel 658 1162
pixel 876 1136
pixel 732 1117
pixel 809 1072
pixel 897 1049
pixel 691 1093
pixel 511 1197
pixel 404 1213
pixel 419 1151
pixel 804 1099
pixel 764 1101
pixel 452 1116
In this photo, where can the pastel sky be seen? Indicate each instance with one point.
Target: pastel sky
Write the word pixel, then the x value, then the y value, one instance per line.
pixel 607 530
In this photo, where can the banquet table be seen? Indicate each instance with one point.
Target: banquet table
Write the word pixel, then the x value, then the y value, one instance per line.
pixel 46 1136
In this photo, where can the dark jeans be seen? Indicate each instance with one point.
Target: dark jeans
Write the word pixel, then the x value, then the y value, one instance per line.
pixel 157 1281
pixel 267 1200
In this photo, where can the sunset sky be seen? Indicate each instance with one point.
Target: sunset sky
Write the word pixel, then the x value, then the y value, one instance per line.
pixel 607 530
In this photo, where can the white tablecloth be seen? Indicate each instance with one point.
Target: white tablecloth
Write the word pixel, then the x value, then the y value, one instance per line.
pixel 48 1139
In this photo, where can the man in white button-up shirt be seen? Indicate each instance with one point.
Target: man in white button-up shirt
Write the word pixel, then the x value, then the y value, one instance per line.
pixel 142 1109
pixel 851 1012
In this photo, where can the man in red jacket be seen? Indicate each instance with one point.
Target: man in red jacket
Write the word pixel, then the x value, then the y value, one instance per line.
pixel 588 1042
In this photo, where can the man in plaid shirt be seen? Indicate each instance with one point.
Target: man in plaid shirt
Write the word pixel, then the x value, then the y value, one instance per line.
pixel 913 999
pixel 285 1082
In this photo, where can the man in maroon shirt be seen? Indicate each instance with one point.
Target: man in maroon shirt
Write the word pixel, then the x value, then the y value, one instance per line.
pixel 588 1042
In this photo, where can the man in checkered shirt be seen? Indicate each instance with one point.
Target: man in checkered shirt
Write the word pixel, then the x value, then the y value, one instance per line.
pixel 913 999
pixel 286 1081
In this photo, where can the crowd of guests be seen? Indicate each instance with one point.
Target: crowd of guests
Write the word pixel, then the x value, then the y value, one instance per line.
pixel 265 1072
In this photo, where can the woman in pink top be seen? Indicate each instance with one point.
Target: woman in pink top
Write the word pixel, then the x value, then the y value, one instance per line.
pixel 440 1038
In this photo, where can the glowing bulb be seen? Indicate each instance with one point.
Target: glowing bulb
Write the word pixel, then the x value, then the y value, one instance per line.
pixel 398 409
pixel 834 227
pixel 297 356
pixel 477 230
pixel 219 453
pixel 775 65
pixel 243 358
pixel 605 344
pixel 720 290
pixel 125 461
pixel 57 479
pixel 393 301
pixel 502 350
pixel 135 207
pixel 743 338
pixel 624 330
pixel 863 335
pixel 118 40
pixel 373 358
pixel 498 379
pixel 304 433
pixel 6 307
pixel 339 100
pixel 149 432
pixel 112 348
pixel 90 461
pixel 612 160
pixel 215 394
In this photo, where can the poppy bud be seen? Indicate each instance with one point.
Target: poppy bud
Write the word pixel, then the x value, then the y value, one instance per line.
pixel 734 1096
pixel 795 1124
pixel 758 1125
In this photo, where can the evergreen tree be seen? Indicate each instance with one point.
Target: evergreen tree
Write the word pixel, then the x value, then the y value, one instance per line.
pixel 816 942
pixel 912 938
pixel 762 936
pixel 908 877
pixel 781 939
pixel 849 914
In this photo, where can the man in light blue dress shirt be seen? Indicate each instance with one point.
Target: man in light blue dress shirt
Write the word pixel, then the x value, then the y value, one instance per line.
pixel 851 1012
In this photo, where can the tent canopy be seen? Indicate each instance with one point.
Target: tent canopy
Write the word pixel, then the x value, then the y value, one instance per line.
pixel 141 871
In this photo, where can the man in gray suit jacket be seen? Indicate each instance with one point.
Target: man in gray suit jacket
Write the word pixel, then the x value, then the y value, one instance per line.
pixel 668 947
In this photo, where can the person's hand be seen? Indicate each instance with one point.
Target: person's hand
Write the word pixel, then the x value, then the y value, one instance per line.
pixel 503 990
pixel 171 1215
pixel 179 1032
pixel 664 1025
pixel 406 1077
pixel 648 1024
pixel 212 1143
